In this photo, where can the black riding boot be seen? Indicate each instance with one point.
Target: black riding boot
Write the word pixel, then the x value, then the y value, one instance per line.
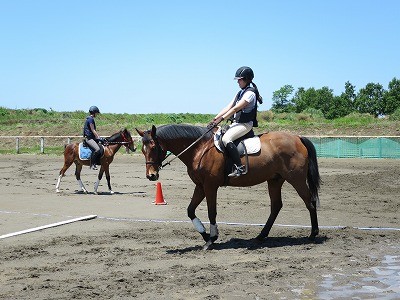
pixel 234 154
pixel 93 160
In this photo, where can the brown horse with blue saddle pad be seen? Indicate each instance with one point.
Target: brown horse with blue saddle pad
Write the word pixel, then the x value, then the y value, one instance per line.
pixel 73 154
pixel 281 157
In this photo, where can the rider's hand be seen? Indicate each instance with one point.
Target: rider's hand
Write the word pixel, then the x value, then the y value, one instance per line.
pixel 215 122
pixel 210 125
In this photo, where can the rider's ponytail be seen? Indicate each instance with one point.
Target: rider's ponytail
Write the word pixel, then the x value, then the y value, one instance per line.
pixel 258 96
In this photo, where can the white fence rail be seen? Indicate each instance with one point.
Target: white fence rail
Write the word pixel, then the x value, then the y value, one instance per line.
pixel 40 139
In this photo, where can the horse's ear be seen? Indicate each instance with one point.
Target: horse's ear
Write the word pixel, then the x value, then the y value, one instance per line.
pixel 153 131
pixel 141 132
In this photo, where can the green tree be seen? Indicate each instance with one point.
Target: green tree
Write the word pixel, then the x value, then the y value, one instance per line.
pixel 302 99
pixel 392 97
pixel 322 99
pixel 281 101
pixel 325 101
pixel 370 99
pixel 343 104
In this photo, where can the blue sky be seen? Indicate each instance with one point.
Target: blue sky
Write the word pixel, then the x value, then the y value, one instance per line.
pixel 181 56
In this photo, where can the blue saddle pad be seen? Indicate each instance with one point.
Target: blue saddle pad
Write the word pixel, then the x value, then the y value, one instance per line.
pixel 84 152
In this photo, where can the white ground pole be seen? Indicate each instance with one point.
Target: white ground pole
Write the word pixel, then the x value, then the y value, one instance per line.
pixel 48 226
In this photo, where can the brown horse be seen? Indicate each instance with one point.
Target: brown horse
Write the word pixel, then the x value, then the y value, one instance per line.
pixel 111 146
pixel 283 157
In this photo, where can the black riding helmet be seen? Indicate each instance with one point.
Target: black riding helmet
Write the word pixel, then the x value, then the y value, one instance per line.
pixel 244 72
pixel 94 109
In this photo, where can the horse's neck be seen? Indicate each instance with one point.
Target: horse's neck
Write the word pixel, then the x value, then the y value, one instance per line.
pixel 113 148
pixel 178 147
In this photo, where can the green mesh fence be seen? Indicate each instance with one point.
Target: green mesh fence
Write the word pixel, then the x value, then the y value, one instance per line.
pixel 361 147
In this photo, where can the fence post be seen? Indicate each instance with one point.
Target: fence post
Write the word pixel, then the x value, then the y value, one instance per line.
pixel 42 145
pixel 68 141
pixel 17 144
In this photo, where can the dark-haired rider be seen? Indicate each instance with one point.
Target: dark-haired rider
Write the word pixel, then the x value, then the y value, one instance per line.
pixel 243 108
pixel 91 136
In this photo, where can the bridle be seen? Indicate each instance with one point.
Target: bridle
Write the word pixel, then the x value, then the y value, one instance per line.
pixel 125 141
pixel 160 152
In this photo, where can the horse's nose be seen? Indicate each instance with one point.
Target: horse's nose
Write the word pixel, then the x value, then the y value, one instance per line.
pixel 152 177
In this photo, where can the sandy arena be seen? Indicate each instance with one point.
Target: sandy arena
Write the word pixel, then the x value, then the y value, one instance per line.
pixel 135 249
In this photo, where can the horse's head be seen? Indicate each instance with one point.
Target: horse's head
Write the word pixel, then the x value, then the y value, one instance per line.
pixel 128 140
pixel 153 152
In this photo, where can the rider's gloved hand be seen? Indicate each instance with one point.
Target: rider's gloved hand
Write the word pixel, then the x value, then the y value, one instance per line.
pixel 215 122
pixel 211 125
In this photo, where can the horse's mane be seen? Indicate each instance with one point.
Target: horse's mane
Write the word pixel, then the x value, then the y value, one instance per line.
pixel 182 131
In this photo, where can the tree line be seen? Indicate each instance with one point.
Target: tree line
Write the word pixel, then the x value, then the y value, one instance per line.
pixel 372 99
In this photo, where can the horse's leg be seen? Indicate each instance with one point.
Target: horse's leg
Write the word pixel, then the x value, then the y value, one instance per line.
pixel 68 160
pixel 108 177
pixel 99 177
pixel 198 196
pixel 275 195
pixel 67 164
pixel 304 192
pixel 78 170
pixel 211 196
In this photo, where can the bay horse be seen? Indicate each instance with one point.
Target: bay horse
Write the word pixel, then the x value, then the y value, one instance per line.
pixel 283 157
pixel 111 145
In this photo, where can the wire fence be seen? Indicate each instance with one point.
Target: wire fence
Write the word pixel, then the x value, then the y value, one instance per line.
pixel 357 146
pixel 326 146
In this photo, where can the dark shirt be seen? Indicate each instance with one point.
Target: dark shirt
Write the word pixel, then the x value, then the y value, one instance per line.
pixel 87 132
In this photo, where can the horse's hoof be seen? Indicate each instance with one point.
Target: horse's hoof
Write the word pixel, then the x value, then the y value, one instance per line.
pixel 111 192
pixel 57 190
pixel 214 238
pixel 207 246
pixel 312 237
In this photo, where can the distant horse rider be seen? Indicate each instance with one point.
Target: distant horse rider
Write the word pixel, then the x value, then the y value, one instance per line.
pixel 243 108
pixel 91 136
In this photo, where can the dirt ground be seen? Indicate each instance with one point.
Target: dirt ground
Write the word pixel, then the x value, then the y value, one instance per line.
pixel 135 249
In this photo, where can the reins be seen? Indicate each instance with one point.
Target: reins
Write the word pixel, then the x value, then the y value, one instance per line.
pixel 115 143
pixel 118 143
pixel 187 148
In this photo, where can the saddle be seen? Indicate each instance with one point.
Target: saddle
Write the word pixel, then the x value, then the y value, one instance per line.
pixel 85 153
pixel 247 144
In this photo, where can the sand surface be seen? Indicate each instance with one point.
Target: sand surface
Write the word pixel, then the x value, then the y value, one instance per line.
pixel 135 249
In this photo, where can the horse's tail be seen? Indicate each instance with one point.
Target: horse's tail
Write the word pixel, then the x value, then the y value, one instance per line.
pixel 313 178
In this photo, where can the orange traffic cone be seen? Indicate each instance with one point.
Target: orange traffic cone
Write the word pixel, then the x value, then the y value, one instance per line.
pixel 159 195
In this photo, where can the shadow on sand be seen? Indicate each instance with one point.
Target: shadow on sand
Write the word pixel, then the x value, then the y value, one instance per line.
pixel 254 244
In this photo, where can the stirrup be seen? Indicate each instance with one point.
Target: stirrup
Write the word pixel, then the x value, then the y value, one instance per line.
pixel 238 171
